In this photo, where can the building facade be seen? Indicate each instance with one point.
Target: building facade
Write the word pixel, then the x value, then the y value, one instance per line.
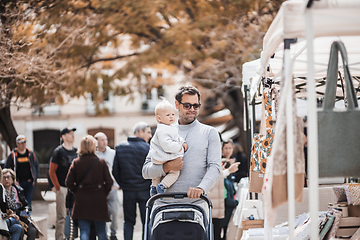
pixel 43 129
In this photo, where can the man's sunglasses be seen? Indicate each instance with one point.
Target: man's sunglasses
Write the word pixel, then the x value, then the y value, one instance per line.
pixel 188 106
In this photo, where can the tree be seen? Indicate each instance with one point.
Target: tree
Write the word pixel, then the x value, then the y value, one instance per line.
pixel 59 48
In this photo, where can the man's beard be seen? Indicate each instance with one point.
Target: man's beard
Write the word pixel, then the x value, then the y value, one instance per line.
pixel 189 119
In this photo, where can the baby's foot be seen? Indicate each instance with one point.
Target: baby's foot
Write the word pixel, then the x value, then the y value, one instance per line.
pixel 160 188
pixel 153 191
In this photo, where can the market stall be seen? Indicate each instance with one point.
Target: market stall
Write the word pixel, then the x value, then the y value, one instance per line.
pixel 287 55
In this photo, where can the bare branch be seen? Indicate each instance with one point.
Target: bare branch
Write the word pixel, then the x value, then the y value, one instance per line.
pixel 109 59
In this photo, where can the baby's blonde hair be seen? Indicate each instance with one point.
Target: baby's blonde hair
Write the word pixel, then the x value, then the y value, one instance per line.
pixel 162 105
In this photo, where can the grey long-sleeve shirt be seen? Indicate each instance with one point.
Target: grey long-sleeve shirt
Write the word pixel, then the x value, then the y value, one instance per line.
pixel 201 162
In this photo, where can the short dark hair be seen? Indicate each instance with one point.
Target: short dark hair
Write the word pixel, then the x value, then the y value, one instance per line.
pixel 190 90
pixel 226 142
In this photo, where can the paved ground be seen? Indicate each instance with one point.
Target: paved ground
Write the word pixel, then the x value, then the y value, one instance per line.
pixel 44 209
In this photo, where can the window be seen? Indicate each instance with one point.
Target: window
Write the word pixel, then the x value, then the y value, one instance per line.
pixel 152 97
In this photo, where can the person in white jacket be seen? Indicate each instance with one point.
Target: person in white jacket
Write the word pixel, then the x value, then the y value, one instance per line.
pixel 166 145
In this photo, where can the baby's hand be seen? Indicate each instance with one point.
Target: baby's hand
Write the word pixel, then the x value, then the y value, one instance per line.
pixel 185 146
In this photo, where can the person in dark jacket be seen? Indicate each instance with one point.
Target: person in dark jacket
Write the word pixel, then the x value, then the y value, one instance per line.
pixel 230 202
pixel 17 202
pixel 90 180
pixel 244 165
pixel 25 165
pixel 127 170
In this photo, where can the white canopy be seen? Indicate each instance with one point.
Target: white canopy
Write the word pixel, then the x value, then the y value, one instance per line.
pixel 331 18
pixel 252 71
pixel 332 21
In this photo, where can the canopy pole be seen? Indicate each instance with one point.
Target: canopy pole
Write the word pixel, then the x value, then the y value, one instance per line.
pixel 313 167
pixel 287 89
pixel 253 118
pixel 248 126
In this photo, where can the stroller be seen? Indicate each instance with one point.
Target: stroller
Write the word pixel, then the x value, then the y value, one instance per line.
pixel 177 221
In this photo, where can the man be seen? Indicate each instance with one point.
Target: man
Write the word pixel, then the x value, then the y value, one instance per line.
pixel 105 152
pixel 129 159
pixel 25 165
pixel 61 160
pixel 201 164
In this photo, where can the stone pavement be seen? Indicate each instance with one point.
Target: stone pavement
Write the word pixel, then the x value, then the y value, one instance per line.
pixel 46 209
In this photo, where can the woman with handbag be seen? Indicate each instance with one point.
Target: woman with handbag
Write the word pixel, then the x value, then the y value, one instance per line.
pixel 90 180
pixel 16 201
pixel 9 221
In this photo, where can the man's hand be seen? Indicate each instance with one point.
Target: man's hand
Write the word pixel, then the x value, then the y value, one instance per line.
pixel 54 189
pixel 185 146
pixel 175 165
pixel 194 193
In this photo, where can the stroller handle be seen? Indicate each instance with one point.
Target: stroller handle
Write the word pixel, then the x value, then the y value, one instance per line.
pixel 176 195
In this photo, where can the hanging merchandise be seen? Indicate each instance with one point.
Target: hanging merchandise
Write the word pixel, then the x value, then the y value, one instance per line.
pixel 275 187
pixel 261 148
pixel 339 131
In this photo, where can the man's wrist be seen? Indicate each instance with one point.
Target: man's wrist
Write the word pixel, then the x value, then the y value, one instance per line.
pixel 165 168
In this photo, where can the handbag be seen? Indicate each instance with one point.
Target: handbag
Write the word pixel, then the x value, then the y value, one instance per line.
pixel 276 177
pixel 261 148
pixel 68 223
pixel 339 131
pixel 70 231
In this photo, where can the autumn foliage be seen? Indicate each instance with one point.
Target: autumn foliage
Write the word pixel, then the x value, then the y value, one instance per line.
pixel 55 49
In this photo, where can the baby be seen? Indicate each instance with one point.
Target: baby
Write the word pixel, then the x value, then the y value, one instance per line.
pixel 166 145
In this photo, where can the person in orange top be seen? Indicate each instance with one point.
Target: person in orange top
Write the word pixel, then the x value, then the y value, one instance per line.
pixel 60 162
pixel 25 165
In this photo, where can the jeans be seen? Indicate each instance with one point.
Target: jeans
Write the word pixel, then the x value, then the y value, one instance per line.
pixel 28 190
pixel 84 226
pixel 113 204
pixel 129 208
pixel 14 228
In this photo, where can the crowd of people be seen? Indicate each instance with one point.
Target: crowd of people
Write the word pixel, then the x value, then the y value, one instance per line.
pixel 182 156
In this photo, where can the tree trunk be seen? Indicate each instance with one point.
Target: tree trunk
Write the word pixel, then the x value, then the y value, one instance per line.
pixel 234 101
pixel 7 129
